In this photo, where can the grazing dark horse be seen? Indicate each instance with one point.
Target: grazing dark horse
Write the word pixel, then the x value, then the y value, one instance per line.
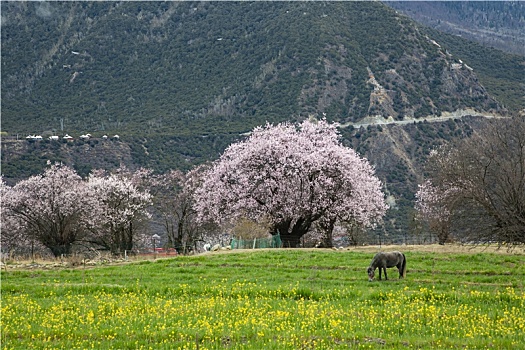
pixel 387 259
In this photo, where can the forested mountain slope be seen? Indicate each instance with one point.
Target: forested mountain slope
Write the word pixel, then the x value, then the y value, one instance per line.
pixel 183 68
pixel 499 24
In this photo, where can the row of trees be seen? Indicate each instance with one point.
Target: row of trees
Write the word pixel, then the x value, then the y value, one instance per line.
pixel 61 211
pixel 58 209
pixel 292 179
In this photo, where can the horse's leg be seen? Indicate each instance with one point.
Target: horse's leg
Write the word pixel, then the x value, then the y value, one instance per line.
pixel 380 268
pixel 386 277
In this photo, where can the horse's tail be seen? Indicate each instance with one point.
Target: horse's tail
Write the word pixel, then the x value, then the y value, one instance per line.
pixel 404 266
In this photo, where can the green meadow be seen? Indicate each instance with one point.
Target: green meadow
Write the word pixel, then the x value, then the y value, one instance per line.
pixel 270 299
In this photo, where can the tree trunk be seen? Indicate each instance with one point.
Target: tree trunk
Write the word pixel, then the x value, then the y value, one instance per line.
pixel 180 235
pixel 122 239
pixel 128 244
pixel 60 243
pixel 443 234
pixel 170 232
pixel 281 229
pixel 58 250
pixel 291 236
pixel 328 229
pixel 290 241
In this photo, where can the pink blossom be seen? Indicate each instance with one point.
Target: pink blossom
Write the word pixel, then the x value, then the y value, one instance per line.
pixel 294 175
pixel 55 208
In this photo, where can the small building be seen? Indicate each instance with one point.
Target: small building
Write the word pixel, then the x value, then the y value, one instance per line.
pixel 67 137
pixel 53 138
pixel 33 138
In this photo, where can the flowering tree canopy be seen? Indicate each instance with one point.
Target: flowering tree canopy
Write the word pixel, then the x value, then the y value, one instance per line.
pixel 476 186
pixel 58 209
pixel 121 202
pixel 293 176
pixel 55 208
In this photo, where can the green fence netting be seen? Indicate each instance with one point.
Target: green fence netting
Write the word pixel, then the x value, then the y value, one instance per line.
pixel 272 242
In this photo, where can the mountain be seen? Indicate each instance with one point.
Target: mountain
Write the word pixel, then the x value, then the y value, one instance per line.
pixel 183 68
pixel 179 81
pixel 499 24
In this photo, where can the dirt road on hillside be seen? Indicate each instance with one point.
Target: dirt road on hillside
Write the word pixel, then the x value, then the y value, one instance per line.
pixel 378 120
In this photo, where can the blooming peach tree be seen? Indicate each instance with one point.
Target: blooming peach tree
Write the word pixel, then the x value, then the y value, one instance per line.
pixel 294 176
pixel 56 209
pixel 123 199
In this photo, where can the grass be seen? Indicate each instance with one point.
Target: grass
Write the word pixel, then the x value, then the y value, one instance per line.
pixel 271 299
